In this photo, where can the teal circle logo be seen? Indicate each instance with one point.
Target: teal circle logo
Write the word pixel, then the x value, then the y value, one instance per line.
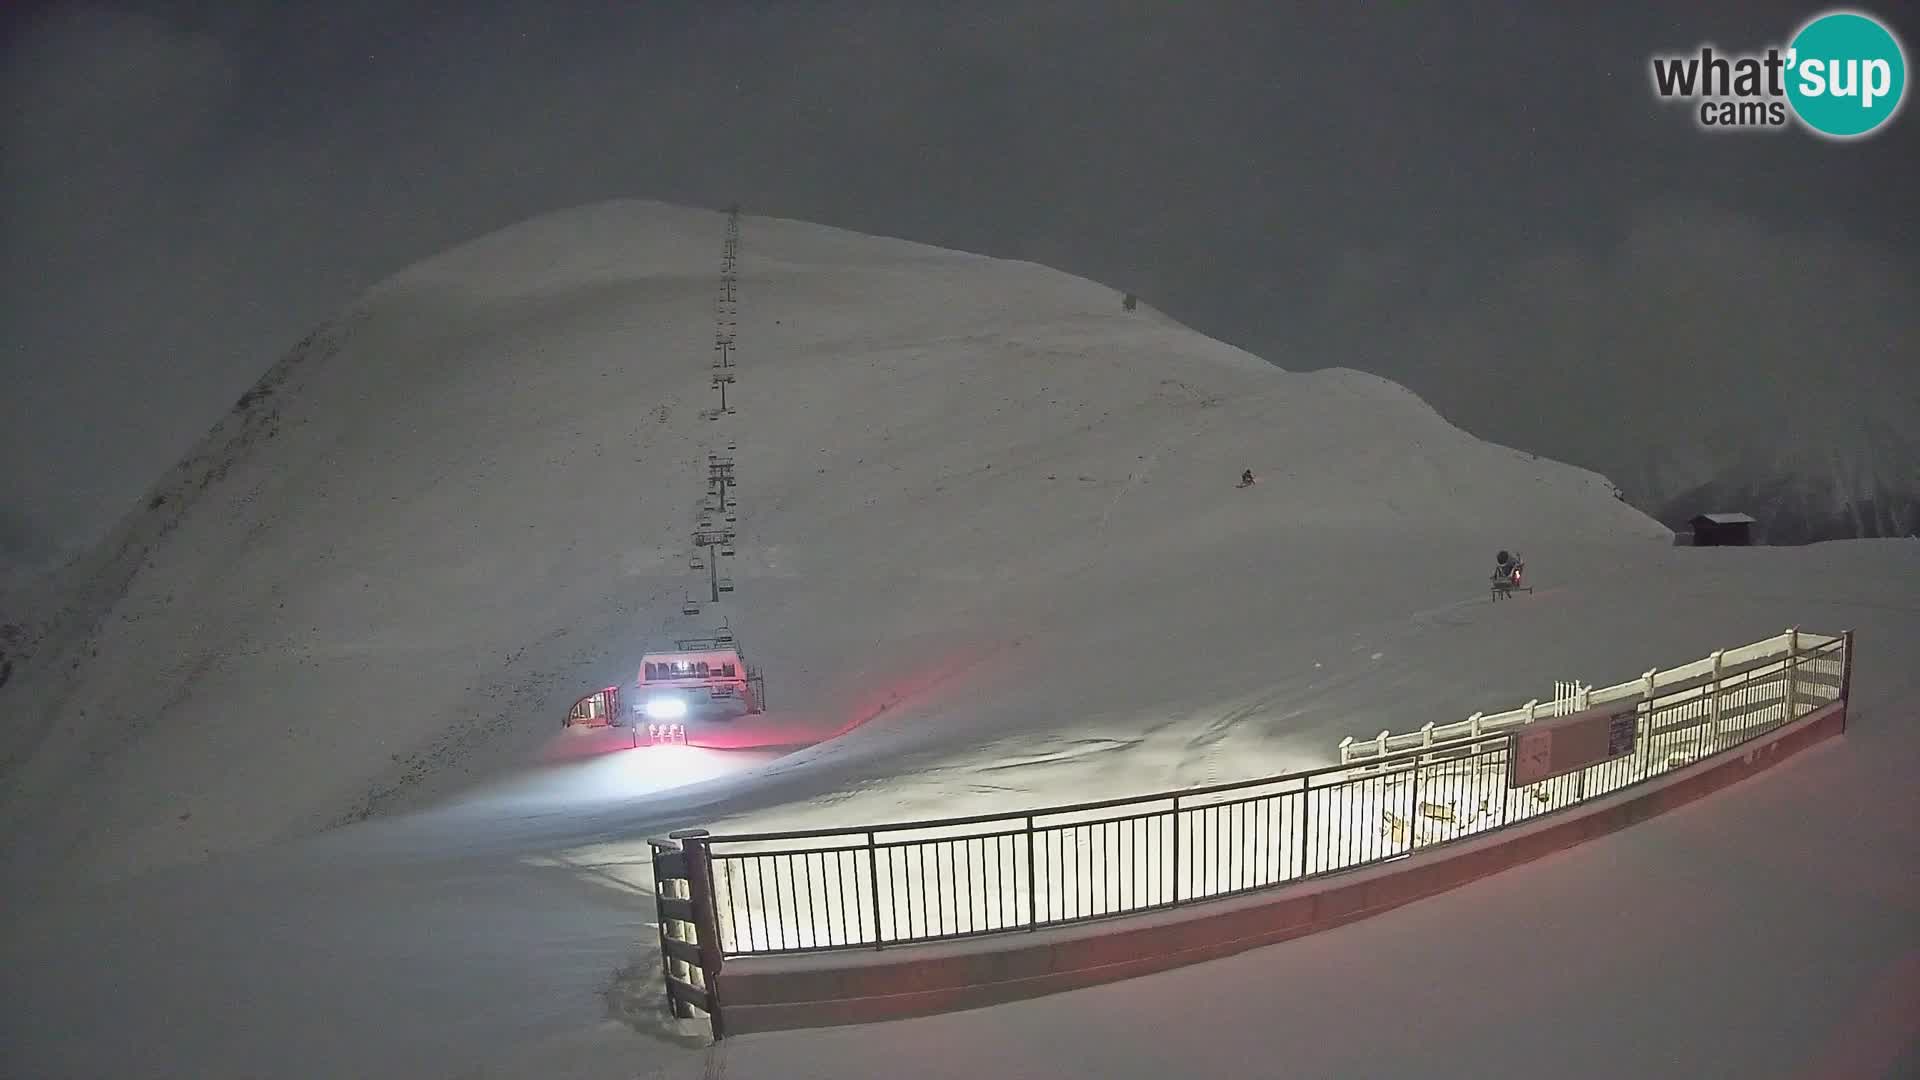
pixel 1847 74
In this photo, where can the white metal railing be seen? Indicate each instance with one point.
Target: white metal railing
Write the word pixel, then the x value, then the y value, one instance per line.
pixel 1568 697
pixel 903 882
pixel 1574 696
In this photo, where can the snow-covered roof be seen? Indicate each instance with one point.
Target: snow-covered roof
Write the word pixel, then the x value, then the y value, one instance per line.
pixel 1727 519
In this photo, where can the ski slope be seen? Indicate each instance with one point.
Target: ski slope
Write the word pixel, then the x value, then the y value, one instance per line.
pixel 469 498
pixel 989 539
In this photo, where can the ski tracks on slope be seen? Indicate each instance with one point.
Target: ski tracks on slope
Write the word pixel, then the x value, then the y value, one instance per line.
pixel 1146 470
pixel 1444 615
pixel 1377 641
pixel 1132 478
pixel 1212 739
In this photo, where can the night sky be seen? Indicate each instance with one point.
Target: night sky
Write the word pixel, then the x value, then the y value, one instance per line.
pixel 1407 188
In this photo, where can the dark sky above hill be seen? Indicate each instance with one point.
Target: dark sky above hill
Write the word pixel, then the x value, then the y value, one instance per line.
pixel 189 186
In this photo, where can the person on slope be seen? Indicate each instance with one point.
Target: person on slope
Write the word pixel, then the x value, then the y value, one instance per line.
pixel 1246 478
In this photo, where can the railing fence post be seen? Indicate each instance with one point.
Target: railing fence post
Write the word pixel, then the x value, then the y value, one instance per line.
pixel 873 876
pixel 1300 827
pixel 1846 674
pixel 1033 881
pixel 666 887
pixel 1793 672
pixel 1176 843
pixel 1413 814
pixel 1642 758
pixel 693 842
pixel 1713 705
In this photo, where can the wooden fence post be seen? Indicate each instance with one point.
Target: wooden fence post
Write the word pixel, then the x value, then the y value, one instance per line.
pixel 669 863
pixel 693 842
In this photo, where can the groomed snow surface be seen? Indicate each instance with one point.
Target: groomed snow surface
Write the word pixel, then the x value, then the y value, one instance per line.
pixel 989 535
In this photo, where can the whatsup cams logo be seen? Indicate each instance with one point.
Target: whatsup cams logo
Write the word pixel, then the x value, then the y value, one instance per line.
pixel 1842 75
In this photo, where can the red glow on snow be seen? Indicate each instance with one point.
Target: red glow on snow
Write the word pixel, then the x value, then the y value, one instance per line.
pixel 916 685
pixel 581 743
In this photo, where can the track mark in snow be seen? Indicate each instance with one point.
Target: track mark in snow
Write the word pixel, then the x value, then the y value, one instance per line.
pixel 994 789
pixel 1146 470
pixel 1126 487
pixel 1212 738
pixel 1074 750
pixel 1439 615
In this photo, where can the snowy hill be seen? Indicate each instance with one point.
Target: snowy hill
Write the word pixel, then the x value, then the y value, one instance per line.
pixel 988 528
pixel 393 565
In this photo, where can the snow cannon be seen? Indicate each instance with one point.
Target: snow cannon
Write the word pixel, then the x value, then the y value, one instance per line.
pixel 1509 574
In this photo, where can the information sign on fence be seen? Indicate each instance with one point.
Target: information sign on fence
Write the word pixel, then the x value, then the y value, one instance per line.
pixel 1566 744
